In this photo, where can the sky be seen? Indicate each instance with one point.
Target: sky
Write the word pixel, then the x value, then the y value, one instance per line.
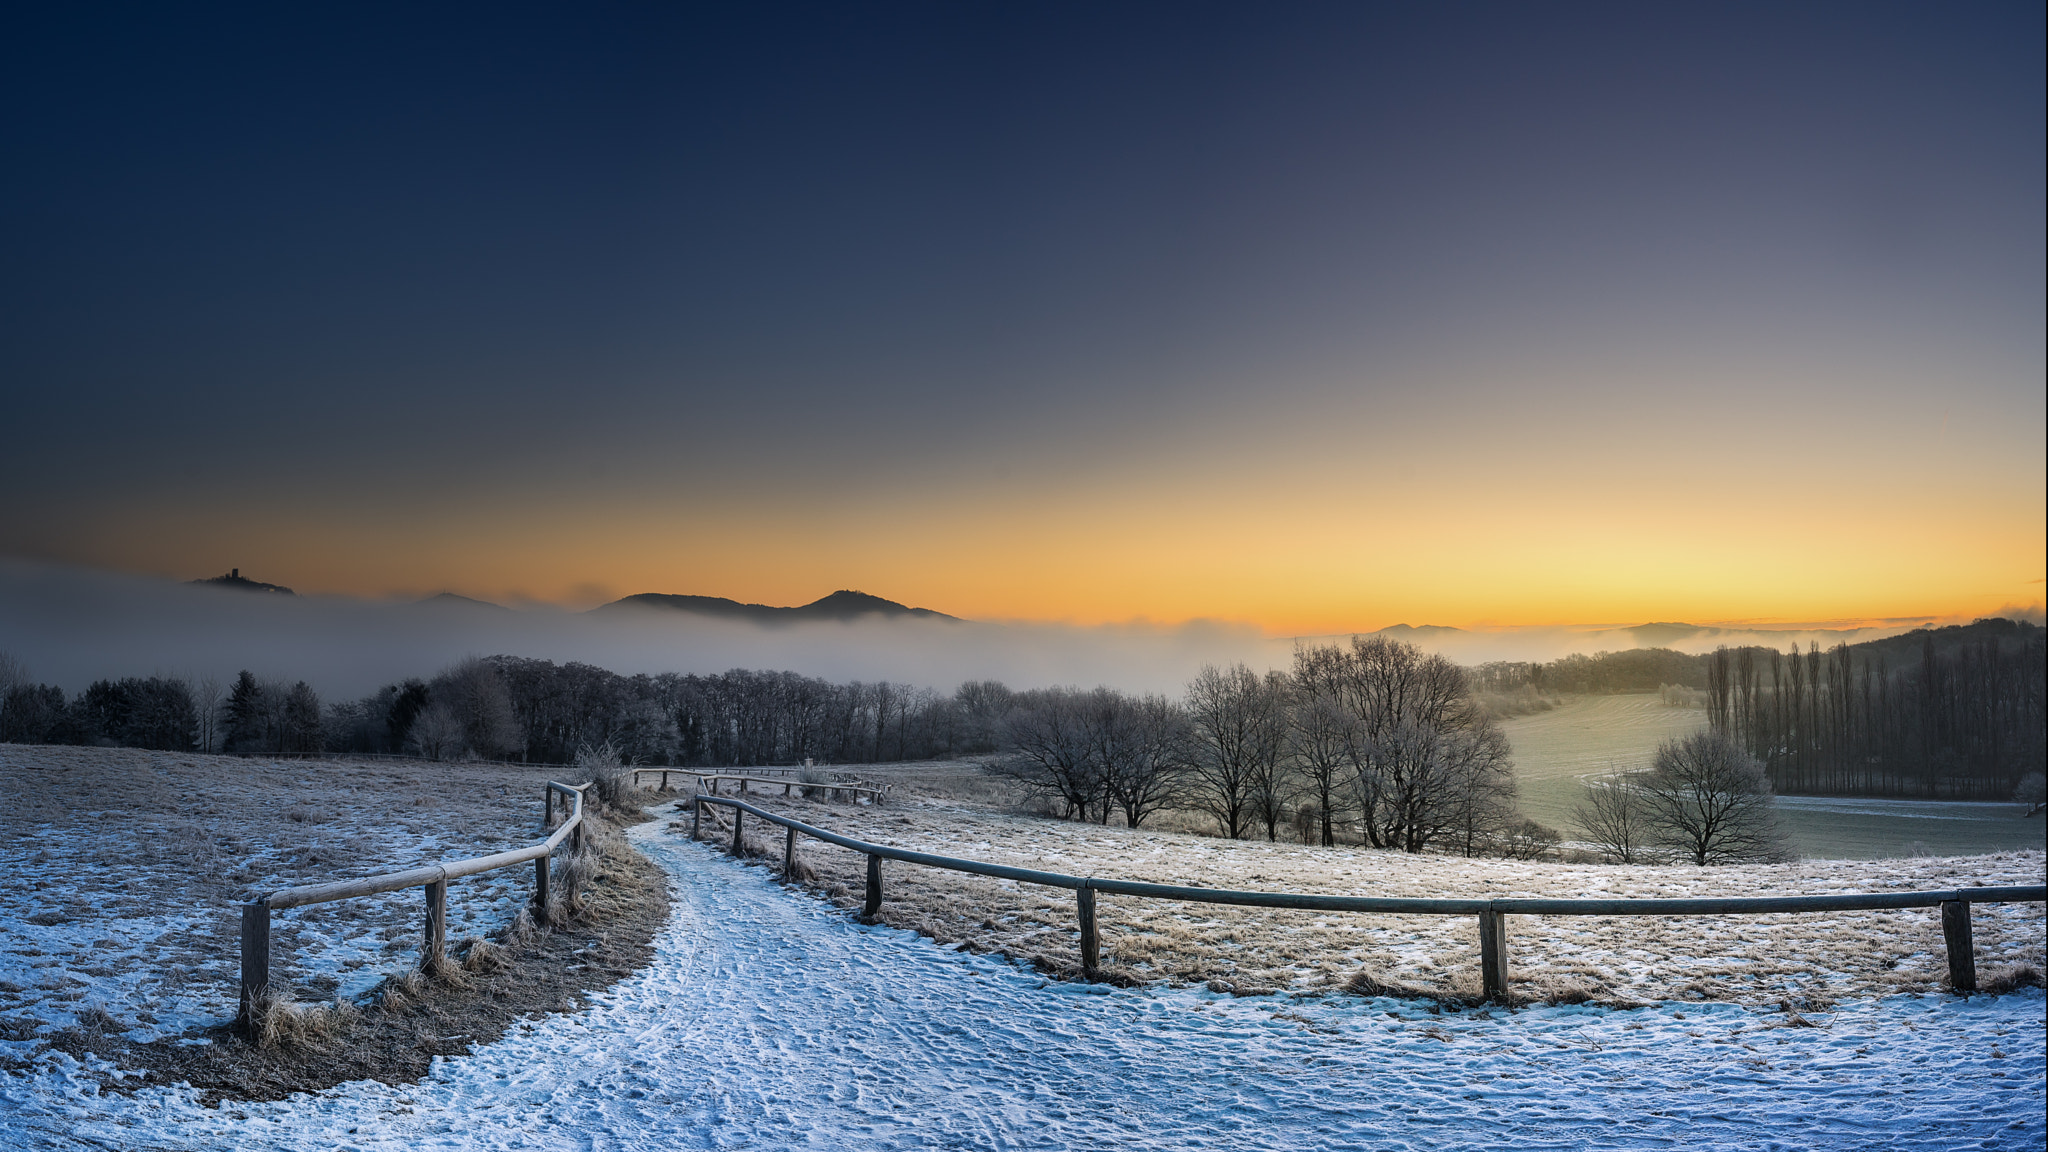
pixel 1310 320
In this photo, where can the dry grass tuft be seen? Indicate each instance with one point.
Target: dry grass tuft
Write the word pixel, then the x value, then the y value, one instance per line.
pixel 282 1022
pixel 522 929
pixel 484 957
pixel 573 876
pixel 96 1018
pixel 2010 980
pixel 1367 982
pixel 400 991
pixel 1569 990
pixel 611 784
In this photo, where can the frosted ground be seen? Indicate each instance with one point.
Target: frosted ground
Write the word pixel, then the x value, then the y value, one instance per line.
pixel 770 1020
pixel 127 866
pixel 949 810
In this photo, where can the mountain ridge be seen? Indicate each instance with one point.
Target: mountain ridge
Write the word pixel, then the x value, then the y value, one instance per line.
pixel 845 604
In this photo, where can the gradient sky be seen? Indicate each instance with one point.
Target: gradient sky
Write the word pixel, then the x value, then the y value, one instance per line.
pixel 1320 317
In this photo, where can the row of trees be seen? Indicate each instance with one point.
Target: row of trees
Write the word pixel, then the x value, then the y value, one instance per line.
pixel 1378 737
pixel 506 707
pixel 1605 673
pixel 1961 720
pixel 535 710
pixel 168 714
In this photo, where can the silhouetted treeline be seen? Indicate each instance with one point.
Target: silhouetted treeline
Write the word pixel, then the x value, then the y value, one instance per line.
pixel 167 714
pixel 536 710
pixel 508 707
pixel 1950 713
pixel 134 713
pixel 1607 673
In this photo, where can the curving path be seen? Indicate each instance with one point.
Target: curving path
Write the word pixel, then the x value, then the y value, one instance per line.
pixel 770 1021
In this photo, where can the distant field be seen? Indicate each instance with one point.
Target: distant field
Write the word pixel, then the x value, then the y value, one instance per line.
pixel 1594 735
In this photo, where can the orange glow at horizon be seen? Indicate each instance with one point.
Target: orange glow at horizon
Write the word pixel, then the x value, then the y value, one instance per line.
pixel 1166 551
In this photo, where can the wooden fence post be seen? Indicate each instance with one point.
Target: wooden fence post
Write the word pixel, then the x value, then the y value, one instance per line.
pixel 873 907
pixel 255 959
pixel 1091 944
pixel 696 816
pixel 1962 951
pixel 1493 954
pixel 789 855
pixel 736 817
pixel 547 799
pixel 437 927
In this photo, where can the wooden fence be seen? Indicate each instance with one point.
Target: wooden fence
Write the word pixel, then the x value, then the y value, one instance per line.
pixel 433 877
pixel 854 788
pixel 1492 914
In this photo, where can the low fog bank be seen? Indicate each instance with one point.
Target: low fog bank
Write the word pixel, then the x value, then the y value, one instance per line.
pixel 1476 646
pixel 71 626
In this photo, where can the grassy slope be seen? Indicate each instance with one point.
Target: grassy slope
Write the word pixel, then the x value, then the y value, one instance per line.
pixel 1591 735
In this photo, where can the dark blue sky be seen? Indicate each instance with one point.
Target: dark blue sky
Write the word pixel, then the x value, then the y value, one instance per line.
pixel 378 270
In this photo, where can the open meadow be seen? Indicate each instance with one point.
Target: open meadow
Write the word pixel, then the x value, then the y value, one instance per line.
pixel 122 931
pixel 954 809
pixel 1591 736
pixel 767 1014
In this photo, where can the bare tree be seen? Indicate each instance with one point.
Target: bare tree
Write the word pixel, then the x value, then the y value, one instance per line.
pixel 1526 839
pixel 1051 751
pixel 1431 779
pixel 437 733
pixel 983 704
pixel 1425 758
pixel 207 697
pixel 2033 792
pixel 1273 786
pixel 1711 802
pixel 1142 747
pixel 475 692
pixel 1321 734
pixel 1239 723
pixel 1615 818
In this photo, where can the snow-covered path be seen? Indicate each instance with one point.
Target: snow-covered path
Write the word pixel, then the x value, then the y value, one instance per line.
pixel 770 1021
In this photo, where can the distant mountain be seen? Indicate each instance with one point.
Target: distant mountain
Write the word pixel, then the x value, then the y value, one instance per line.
pixel 234 579
pixel 1398 630
pixel 842 605
pixel 1664 634
pixel 450 599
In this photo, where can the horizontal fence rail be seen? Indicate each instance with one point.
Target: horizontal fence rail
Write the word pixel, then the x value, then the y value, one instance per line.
pixel 878 792
pixel 432 877
pixel 1954 904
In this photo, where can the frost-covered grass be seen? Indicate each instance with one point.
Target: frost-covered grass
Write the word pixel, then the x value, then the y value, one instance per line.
pixel 1805 958
pixel 128 867
pixel 767 1021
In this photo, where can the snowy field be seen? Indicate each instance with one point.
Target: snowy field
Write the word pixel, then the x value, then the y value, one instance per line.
pixel 769 1020
pixel 127 867
pixel 1761 960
